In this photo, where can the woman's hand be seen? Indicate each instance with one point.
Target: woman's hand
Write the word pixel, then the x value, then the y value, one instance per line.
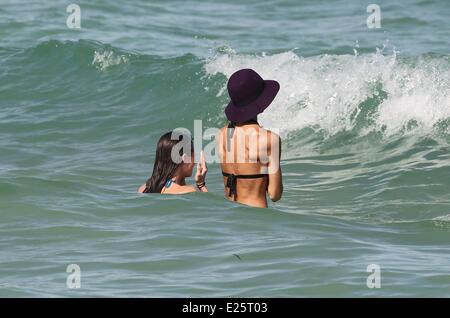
pixel 200 175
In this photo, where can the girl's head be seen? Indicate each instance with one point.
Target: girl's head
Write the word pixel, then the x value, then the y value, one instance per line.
pixel 171 160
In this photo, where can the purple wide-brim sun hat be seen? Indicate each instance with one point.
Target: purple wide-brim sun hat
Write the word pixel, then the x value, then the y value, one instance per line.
pixel 250 95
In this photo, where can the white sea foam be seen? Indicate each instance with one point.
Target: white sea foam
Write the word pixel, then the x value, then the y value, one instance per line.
pixel 105 59
pixel 444 218
pixel 325 92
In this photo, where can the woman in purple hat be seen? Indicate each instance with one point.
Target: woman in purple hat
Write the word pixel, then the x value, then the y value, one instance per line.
pixel 249 154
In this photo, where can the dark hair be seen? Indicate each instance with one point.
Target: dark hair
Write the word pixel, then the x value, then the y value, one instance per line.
pixel 164 167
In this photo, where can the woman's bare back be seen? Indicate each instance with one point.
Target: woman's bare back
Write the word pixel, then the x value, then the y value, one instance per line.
pixel 247 154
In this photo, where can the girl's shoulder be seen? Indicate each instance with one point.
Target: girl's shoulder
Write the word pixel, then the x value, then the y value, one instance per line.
pixel 172 188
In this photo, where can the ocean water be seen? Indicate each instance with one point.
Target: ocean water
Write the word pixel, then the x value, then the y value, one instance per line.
pixel 365 121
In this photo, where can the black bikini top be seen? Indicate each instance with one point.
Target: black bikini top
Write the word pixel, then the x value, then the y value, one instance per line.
pixel 232 178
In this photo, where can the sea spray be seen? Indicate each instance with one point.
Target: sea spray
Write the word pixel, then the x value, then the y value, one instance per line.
pixel 332 92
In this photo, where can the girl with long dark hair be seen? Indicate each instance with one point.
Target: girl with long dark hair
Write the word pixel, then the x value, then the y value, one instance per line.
pixel 172 166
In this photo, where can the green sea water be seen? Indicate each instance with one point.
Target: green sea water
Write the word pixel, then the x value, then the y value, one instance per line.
pixel 365 122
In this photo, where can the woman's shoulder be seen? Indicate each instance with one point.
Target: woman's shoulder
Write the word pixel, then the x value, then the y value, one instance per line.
pixel 173 188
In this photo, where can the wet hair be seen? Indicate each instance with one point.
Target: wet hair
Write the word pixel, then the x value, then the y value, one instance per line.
pixel 164 167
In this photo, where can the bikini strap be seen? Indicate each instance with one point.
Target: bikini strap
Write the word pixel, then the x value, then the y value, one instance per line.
pixel 231 184
pixel 245 176
pixel 230 132
pixel 168 183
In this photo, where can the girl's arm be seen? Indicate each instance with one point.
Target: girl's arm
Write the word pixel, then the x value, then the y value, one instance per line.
pixel 142 188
